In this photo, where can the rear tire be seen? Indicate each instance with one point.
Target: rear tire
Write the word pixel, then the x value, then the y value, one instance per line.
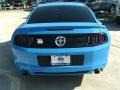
pixel 112 10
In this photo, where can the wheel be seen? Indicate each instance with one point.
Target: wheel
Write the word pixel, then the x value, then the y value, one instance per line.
pixel 112 10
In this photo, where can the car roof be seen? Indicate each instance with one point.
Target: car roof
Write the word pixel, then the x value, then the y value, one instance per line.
pixel 61 4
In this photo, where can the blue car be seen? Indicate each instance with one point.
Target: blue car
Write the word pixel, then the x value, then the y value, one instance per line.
pixel 62 38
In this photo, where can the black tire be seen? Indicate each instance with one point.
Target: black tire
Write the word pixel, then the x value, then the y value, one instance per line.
pixel 112 10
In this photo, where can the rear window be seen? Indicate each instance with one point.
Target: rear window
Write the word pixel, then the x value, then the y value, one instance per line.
pixel 51 14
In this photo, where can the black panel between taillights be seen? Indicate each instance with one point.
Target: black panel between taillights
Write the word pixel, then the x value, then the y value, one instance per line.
pixel 72 40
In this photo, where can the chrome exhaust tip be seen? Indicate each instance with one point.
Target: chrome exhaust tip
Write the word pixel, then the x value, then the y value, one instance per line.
pixel 97 71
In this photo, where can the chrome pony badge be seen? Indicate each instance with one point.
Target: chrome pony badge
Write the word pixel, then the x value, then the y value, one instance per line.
pixel 39 41
pixel 60 41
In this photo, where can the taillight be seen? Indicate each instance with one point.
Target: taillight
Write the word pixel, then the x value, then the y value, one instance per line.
pixel 104 38
pixel 97 39
pixel 23 40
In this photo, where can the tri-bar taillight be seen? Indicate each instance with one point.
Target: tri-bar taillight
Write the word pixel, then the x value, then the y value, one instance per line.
pixel 72 40
pixel 97 39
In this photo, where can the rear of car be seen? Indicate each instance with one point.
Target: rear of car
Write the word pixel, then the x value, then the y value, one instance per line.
pixel 61 39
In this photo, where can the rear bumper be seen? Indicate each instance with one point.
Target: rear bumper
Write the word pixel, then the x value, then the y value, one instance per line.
pixel 94 57
pixel 58 70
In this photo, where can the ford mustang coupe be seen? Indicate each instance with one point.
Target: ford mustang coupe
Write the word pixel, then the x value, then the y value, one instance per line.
pixel 61 39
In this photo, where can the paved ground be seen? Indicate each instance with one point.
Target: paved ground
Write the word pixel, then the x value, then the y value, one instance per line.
pixel 10 79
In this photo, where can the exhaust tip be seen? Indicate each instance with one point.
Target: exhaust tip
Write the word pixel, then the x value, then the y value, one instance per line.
pixel 97 71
